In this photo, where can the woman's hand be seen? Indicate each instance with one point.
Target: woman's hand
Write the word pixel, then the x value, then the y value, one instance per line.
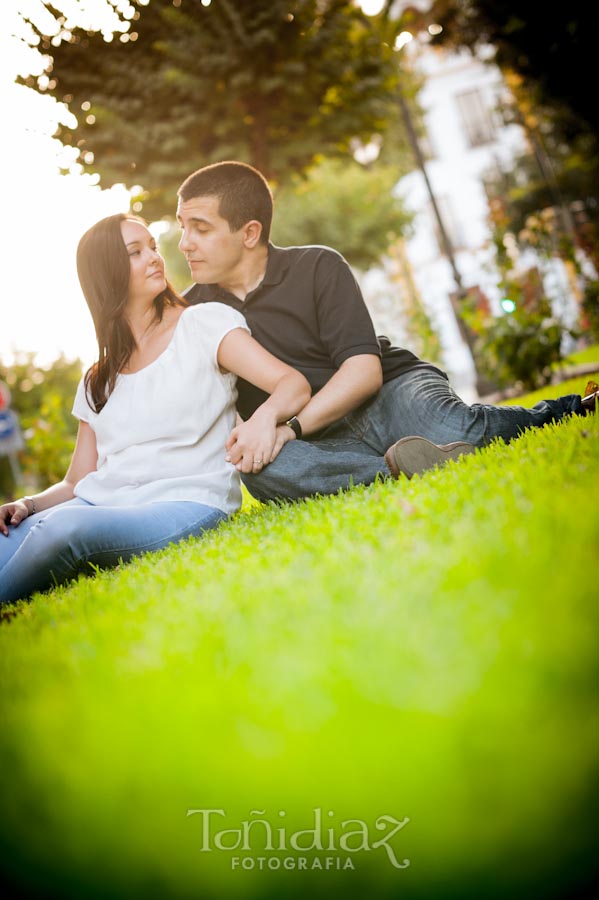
pixel 12 514
pixel 255 443
pixel 83 461
pixel 250 448
pixel 251 445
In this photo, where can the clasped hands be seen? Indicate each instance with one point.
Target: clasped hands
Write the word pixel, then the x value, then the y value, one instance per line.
pixel 256 443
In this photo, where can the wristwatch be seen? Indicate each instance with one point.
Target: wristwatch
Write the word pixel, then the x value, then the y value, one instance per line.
pixel 295 426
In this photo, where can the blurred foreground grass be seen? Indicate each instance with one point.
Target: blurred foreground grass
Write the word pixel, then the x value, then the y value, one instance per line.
pixel 423 649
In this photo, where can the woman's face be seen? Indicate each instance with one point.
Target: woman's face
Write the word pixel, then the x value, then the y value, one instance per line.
pixel 146 266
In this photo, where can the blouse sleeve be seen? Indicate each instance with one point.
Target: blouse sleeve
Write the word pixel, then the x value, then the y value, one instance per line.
pixel 81 409
pixel 213 321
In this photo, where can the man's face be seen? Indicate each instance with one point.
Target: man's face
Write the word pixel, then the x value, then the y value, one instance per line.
pixel 213 252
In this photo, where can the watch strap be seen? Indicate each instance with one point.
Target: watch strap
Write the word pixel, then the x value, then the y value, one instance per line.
pixel 295 426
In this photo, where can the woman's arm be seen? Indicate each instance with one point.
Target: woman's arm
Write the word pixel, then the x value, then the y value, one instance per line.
pixel 255 443
pixel 83 461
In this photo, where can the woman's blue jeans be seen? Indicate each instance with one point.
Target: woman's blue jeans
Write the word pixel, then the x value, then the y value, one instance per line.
pixel 57 544
pixel 420 402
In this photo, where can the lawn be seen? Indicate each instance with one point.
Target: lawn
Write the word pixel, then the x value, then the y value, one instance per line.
pixel 418 657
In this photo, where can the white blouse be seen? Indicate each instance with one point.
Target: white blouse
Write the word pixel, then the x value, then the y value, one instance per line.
pixel 161 434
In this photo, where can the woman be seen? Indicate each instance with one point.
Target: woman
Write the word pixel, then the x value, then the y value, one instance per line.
pixel 150 466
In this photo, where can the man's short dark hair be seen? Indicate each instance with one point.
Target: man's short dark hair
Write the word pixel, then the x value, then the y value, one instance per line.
pixel 243 193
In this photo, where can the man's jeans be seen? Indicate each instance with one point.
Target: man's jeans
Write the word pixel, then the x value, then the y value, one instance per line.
pixel 53 546
pixel 420 402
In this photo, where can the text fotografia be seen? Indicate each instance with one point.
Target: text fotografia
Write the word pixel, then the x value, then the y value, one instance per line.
pixel 257 835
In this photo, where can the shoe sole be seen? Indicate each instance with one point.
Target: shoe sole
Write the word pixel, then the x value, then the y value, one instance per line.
pixel 414 455
pixel 589 403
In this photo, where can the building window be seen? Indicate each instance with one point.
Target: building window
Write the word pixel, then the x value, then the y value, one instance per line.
pixel 476 118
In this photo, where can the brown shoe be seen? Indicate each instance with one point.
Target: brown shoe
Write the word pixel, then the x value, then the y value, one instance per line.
pixel 589 401
pixel 414 455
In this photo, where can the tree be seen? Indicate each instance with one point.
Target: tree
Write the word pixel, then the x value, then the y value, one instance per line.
pixel 553 51
pixel 547 60
pixel 344 206
pixel 274 84
pixel 42 397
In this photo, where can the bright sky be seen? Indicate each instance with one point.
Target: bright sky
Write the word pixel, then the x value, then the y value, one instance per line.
pixel 44 213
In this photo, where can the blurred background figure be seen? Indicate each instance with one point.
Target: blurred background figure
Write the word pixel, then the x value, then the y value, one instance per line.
pixel 11 437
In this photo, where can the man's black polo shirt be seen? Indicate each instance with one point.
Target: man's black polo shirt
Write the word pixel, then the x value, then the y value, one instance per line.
pixel 308 310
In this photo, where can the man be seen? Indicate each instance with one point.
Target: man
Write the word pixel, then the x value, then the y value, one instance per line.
pixel 376 410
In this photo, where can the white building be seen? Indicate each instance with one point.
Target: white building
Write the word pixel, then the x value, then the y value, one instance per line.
pixel 466 141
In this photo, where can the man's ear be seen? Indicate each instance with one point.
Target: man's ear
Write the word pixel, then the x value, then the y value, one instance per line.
pixel 252 232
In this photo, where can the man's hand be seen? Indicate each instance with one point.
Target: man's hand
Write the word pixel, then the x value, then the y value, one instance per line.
pixel 284 434
pixel 12 514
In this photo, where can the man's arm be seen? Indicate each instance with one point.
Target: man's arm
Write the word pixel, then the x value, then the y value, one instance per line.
pixel 356 379
pixel 346 330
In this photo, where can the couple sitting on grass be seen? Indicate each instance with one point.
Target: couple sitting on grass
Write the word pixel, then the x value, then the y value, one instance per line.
pixel 322 402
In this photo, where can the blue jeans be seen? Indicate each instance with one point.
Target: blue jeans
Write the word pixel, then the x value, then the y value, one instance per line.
pixel 57 544
pixel 420 402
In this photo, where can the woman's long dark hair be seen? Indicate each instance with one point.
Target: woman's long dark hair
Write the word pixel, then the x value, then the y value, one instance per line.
pixel 103 267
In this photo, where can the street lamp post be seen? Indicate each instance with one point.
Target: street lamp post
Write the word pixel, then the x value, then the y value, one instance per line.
pixel 415 145
pixel 373 8
pixel 482 385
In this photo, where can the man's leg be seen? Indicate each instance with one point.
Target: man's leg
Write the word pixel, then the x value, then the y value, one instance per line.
pixel 64 540
pixel 422 403
pixel 334 462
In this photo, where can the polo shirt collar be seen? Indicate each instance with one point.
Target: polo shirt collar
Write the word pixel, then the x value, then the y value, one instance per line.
pixel 276 267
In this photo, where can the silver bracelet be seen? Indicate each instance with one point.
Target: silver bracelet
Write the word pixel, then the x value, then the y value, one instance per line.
pixel 33 509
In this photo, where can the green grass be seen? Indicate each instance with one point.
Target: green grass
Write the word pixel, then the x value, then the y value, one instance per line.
pixel 588 355
pixel 422 649
pixel 569 386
